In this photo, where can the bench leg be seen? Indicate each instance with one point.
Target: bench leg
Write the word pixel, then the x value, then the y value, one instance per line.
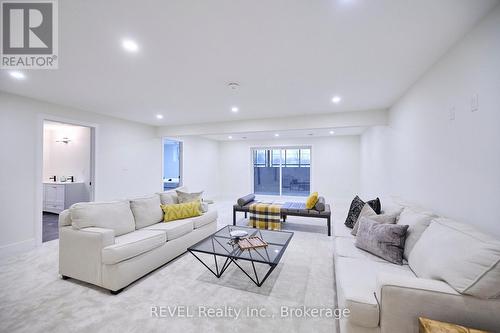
pixel 328 222
pixel 234 217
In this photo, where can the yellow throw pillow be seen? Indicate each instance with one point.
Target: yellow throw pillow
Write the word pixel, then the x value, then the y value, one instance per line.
pixel 311 201
pixel 181 211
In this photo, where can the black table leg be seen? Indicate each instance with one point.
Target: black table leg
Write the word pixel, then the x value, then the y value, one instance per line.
pixel 234 216
pixel 328 222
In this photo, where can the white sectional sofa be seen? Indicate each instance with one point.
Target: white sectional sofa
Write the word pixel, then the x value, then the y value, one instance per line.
pixel 112 244
pixel 452 274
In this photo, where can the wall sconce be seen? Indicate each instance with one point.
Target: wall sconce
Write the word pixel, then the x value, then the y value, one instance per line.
pixel 65 140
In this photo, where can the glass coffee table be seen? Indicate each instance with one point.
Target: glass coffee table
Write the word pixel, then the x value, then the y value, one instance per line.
pixel 220 244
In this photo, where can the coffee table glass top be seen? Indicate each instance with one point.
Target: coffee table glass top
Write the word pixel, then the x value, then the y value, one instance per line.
pixel 220 244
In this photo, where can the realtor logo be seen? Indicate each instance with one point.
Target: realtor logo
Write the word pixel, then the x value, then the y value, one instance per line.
pixel 29 35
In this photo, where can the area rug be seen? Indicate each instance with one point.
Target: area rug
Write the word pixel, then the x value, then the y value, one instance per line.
pixel 182 296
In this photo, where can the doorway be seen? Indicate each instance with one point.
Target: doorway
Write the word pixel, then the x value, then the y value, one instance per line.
pixel 172 164
pixel 68 171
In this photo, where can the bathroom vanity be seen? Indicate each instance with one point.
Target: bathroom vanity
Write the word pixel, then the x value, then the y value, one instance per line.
pixel 58 196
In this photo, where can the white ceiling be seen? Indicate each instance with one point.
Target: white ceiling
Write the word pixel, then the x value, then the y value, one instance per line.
pixel 290 56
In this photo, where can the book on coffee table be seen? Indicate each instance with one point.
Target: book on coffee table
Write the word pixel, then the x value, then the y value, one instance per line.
pixel 251 243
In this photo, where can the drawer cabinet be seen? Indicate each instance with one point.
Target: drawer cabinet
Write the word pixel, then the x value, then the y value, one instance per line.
pixel 58 197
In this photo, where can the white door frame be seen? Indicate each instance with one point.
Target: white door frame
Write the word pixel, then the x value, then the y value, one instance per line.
pixel 94 135
pixel 181 160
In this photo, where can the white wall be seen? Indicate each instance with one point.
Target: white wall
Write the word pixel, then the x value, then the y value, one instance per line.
pixel 334 166
pixel 66 159
pixel 200 165
pixel 128 162
pixel 450 166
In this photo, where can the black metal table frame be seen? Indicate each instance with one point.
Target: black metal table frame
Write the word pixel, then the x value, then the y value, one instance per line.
pixel 231 257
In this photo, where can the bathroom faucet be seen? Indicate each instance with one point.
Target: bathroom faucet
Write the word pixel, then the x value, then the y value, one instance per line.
pixel 71 178
pixel 53 178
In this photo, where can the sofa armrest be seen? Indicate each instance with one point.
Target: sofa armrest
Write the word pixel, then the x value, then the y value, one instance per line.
pixel 404 299
pixel 80 252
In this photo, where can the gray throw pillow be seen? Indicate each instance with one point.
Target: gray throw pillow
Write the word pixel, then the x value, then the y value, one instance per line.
pixel 185 197
pixel 367 211
pixel 320 205
pixel 386 241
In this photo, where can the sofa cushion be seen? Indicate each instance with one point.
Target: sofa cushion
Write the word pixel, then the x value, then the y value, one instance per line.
pixel 115 215
pixel 344 247
pixel 173 229
pixel 207 218
pixel 390 206
pixel 457 253
pixel 146 210
pixel 417 222
pixel 132 244
pixel 356 285
pixel 340 230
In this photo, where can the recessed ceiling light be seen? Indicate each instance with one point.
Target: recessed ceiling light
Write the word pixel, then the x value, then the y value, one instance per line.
pixel 332 132
pixel 130 45
pixel 17 75
pixel 336 99
pixel 276 135
pixel 159 116
pixel 230 137
pixel 235 109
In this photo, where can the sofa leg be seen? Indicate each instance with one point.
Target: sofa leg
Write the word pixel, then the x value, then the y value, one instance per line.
pixel 329 224
pixel 116 292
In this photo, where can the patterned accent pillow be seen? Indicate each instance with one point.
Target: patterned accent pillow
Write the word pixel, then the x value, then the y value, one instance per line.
pixel 375 205
pixel 185 197
pixel 181 211
pixel 356 207
pixel 386 241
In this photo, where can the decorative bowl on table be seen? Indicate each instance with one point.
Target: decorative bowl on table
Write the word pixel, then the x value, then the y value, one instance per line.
pixel 237 234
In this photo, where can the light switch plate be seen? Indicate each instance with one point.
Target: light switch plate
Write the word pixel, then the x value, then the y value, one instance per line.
pixel 474 103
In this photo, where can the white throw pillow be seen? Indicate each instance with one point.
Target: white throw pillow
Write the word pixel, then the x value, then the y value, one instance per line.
pixel 468 260
pixel 115 215
pixel 417 222
pixel 146 210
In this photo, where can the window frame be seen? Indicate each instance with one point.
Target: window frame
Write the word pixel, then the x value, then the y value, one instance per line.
pixel 269 163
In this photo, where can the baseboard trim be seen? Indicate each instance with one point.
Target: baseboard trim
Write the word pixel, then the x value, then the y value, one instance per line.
pixel 15 248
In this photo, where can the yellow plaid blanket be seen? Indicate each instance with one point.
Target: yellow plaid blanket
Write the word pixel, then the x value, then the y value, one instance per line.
pixel 265 216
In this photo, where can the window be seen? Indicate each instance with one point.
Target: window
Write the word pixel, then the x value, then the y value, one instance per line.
pixel 282 171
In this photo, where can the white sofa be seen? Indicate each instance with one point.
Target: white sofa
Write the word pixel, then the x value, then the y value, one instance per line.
pixel 112 244
pixel 452 274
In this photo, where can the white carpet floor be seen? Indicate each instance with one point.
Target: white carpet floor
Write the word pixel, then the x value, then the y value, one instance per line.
pixel 33 298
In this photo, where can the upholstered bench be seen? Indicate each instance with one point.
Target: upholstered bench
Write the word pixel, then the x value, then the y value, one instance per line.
pixel 288 209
